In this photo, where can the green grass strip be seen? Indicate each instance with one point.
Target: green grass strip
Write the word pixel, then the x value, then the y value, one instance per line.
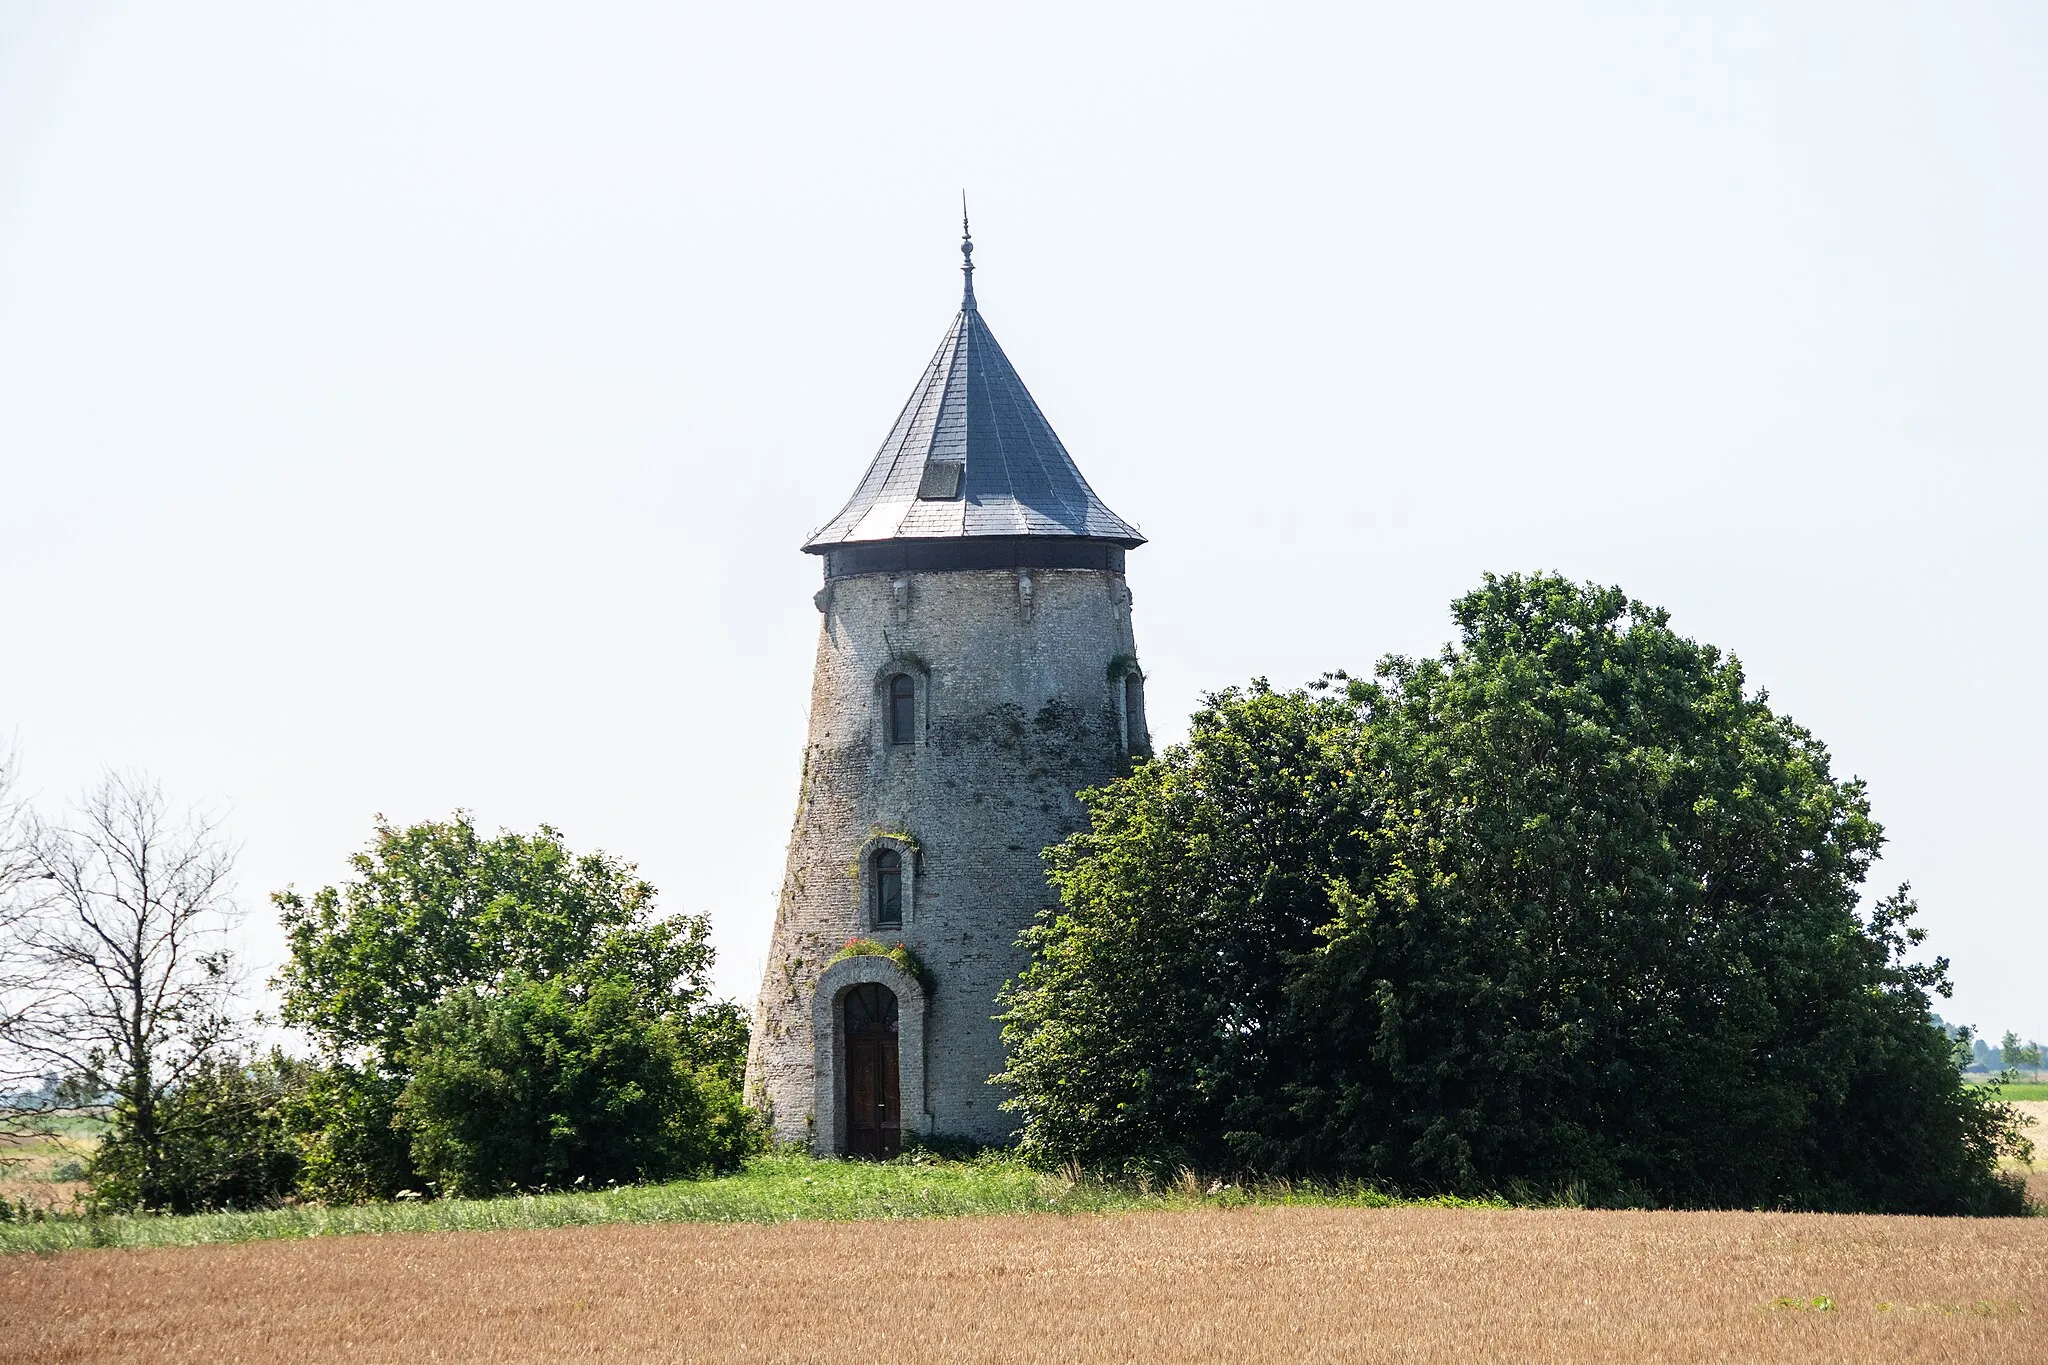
pixel 2020 1090
pixel 772 1189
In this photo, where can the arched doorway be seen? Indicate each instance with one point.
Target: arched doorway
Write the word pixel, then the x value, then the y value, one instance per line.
pixel 874 1108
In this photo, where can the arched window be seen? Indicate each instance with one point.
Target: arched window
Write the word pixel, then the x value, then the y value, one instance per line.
pixel 888 889
pixel 871 1011
pixel 902 709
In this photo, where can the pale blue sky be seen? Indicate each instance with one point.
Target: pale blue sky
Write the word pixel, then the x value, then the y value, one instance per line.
pixel 413 406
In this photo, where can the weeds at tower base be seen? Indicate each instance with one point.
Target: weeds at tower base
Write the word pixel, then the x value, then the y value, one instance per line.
pixel 906 961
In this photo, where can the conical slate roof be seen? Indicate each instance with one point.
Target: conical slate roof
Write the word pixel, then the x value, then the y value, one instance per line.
pixel 971 455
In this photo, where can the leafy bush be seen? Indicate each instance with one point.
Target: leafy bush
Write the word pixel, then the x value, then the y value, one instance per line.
pixel 438 912
pixel 544 1086
pixel 224 1142
pixel 352 1149
pixel 1152 1010
pixel 1564 906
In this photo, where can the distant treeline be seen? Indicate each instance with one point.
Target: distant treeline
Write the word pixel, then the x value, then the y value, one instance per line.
pixel 2010 1054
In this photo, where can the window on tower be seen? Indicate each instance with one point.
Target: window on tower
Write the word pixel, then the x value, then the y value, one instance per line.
pixel 888 889
pixel 902 709
pixel 941 481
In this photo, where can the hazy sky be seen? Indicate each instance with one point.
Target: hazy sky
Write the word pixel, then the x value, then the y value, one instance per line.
pixel 409 407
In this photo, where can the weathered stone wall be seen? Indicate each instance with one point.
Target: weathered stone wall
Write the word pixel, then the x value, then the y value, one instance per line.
pixel 1020 704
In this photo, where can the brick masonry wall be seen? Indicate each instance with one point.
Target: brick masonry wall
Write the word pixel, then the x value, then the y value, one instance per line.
pixel 1017 711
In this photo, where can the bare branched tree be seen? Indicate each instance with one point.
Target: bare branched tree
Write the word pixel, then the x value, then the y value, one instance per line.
pixel 131 934
pixel 25 996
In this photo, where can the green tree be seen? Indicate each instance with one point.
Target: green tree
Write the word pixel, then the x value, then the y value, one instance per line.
pixel 1580 909
pixel 541 1086
pixel 1152 1014
pixel 346 1116
pixel 2015 1054
pixel 223 1140
pixel 438 908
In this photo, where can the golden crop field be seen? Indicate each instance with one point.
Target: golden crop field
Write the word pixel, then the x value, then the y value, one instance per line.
pixel 1249 1284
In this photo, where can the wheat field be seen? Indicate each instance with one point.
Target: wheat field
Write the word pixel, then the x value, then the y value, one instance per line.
pixel 1249 1284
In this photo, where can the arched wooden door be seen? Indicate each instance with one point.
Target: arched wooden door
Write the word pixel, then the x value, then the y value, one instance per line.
pixel 874 1118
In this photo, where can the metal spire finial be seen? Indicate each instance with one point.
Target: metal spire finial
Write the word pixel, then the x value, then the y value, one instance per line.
pixel 966 254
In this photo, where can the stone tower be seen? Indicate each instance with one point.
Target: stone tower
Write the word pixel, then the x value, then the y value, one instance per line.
pixel 975 671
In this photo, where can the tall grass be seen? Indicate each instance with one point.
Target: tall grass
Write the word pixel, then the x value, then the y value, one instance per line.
pixel 772 1189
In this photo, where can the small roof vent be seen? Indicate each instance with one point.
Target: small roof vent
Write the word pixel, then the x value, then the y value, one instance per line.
pixel 941 481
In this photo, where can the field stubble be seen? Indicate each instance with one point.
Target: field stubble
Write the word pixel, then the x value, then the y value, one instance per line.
pixel 43 1171
pixel 1247 1284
